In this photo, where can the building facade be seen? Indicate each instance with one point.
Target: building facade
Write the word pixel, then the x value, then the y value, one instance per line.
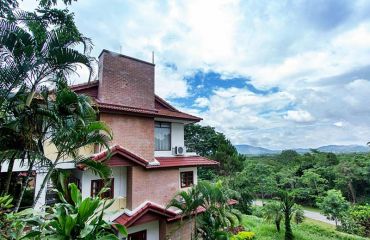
pixel 147 155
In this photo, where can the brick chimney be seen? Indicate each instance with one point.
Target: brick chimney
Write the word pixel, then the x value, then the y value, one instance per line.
pixel 125 81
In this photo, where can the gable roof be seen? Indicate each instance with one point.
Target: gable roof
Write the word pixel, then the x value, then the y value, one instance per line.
pixel 162 108
pixel 119 156
pixel 117 150
pixel 128 219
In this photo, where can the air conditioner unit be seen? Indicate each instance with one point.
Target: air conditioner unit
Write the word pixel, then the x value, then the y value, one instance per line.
pixel 178 150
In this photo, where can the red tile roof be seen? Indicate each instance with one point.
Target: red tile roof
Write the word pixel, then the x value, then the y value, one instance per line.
pixel 163 109
pixel 117 149
pixel 82 86
pixel 164 162
pixel 183 161
pixel 129 220
pixel 199 210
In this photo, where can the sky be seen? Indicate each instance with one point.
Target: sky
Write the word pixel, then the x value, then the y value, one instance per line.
pixel 277 74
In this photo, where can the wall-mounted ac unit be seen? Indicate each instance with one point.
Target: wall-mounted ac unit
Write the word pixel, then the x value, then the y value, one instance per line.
pixel 179 150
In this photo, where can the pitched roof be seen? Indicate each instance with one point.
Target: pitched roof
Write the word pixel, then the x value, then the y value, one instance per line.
pixel 162 108
pixel 120 151
pixel 159 162
pixel 128 219
pixel 183 161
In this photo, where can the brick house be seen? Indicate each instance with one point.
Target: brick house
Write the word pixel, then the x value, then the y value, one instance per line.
pixel 148 158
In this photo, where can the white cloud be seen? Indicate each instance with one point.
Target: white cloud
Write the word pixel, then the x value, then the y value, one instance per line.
pixel 313 59
pixel 339 124
pixel 202 102
pixel 300 116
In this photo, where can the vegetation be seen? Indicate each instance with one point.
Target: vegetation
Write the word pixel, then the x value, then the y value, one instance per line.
pixel 38 54
pixel 218 214
pixel 334 206
pixel 78 219
pixel 308 230
pixel 37 108
pixel 306 177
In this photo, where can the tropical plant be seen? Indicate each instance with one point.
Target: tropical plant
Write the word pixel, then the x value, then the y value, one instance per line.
pixel 36 48
pixel 273 213
pixel 80 219
pixel 75 127
pixel 287 204
pixel 216 215
pixel 333 205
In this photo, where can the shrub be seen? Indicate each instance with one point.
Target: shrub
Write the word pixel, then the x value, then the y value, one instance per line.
pixel 357 221
pixel 258 211
pixel 243 236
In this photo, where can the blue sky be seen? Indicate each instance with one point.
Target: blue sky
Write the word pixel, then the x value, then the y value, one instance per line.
pixel 278 74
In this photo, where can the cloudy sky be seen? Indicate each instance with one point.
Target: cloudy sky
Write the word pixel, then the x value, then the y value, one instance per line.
pixel 277 74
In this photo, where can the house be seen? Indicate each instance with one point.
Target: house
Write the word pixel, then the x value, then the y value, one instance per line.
pixel 148 158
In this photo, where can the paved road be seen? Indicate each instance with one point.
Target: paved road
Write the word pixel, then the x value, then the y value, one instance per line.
pixel 309 214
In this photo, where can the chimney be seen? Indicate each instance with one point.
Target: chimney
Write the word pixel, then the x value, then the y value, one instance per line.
pixel 125 80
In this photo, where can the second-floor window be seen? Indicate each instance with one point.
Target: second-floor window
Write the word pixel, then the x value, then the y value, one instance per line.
pixel 162 136
pixel 97 186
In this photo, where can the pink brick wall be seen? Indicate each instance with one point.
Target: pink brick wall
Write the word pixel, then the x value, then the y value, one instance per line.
pixel 179 231
pixel 136 134
pixel 125 81
pixel 158 186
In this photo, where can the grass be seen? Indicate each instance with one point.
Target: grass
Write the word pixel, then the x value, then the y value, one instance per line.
pixel 308 230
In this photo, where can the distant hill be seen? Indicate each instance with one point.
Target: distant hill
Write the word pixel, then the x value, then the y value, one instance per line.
pixel 344 149
pixel 252 150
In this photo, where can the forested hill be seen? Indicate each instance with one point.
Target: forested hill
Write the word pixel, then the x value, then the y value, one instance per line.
pixel 252 150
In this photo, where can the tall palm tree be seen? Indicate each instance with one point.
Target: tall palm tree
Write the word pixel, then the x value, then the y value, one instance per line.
pixel 72 126
pixel 33 54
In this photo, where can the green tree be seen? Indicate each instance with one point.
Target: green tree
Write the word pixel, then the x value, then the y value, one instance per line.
pixel 205 141
pixel 288 156
pixel 334 205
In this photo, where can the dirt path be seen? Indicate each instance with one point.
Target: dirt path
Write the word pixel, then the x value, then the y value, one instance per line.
pixel 309 214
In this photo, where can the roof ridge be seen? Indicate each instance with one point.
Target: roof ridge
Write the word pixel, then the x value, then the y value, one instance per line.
pixel 85 84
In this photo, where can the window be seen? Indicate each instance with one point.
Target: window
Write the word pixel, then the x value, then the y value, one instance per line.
pixel 73 179
pixel 137 235
pixel 187 179
pixel 97 186
pixel 162 136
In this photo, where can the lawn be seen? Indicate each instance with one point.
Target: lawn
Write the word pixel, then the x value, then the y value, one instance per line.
pixel 308 230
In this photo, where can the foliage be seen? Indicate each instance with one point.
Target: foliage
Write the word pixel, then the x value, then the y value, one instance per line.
pixel 218 214
pixel 287 204
pixel 298 215
pixel 243 236
pixel 357 220
pixel 38 52
pixel 272 211
pixel 334 205
pixel 205 141
pixel 81 219
pixel 308 230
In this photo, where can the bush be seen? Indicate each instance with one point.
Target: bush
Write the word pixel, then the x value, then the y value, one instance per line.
pixel 258 211
pixel 357 221
pixel 243 236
